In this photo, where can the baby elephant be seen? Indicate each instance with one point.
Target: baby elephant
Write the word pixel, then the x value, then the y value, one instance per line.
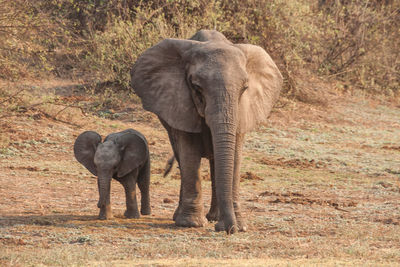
pixel 123 156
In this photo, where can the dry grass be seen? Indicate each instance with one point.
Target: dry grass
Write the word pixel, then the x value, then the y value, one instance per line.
pixel 320 187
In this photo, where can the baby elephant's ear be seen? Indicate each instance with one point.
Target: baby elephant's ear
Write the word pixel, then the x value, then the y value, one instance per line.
pixel 84 149
pixel 134 151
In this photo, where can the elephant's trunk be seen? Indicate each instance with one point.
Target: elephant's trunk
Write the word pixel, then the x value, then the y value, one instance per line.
pixel 104 184
pixel 223 130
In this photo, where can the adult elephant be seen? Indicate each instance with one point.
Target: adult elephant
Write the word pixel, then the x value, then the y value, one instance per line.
pixel 207 93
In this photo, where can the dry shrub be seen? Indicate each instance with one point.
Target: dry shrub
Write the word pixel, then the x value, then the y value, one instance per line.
pixel 112 52
pixel 25 37
pixel 361 43
pixel 353 41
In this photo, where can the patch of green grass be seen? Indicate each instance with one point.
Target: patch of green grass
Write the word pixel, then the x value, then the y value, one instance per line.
pixel 6 152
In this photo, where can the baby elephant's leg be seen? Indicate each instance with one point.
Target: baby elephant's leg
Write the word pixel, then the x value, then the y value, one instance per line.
pixel 144 186
pixel 105 211
pixel 129 184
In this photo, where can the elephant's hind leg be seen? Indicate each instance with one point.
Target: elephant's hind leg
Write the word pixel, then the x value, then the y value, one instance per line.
pixel 144 187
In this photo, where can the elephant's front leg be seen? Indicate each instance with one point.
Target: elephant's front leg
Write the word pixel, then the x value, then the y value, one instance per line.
pixel 129 184
pixel 190 210
pixel 242 226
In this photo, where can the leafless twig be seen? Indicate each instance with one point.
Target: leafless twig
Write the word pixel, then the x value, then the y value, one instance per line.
pixel 68 106
pixel 11 97
pixel 47 115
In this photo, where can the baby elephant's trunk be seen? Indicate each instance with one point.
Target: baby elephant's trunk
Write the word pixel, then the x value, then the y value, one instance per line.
pixel 104 183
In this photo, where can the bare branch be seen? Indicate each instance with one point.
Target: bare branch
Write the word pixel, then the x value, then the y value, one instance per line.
pixel 11 97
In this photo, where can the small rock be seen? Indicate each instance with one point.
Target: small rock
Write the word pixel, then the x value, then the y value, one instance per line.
pixel 168 200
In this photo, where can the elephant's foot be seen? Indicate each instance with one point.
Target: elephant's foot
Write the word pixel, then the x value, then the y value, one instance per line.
pixel 132 214
pixel 241 225
pixel 220 226
pixel 228 224
pixel 105 216
pixel 213 215
pixel 189 220
pixel 105 213
pixel 145 210
pixel 145 207
pixel 177 211
pixel 189 217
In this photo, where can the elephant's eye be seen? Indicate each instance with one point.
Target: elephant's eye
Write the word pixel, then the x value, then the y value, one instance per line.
pixel 196 87
pixel 193 85
pixel 244 88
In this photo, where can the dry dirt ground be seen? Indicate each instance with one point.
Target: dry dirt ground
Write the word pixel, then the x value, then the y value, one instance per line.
pixel 320 186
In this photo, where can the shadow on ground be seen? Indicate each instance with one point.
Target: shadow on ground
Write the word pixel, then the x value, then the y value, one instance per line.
pixel 76 221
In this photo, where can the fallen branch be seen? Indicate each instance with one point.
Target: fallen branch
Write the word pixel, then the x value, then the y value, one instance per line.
pixel 11 97
pixel 66 107
pixel 54 117
pixel 57 104
pixel 47 115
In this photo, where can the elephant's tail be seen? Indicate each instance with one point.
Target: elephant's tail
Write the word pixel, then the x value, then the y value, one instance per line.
pixel 169 165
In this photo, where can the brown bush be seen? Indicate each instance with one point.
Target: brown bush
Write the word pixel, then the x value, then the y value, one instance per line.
pixel 353 41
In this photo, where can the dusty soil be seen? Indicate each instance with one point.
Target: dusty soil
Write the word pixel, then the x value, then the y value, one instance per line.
pixel 320 186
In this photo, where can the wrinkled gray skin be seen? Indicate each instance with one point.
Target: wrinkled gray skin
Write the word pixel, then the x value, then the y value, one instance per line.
pixel 207 93
pixel 123 156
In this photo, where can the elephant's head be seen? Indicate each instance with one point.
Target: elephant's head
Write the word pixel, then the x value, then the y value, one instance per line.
pixel 117 156
pixel 231 86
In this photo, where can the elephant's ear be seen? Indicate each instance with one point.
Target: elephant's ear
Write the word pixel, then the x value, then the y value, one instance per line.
pixel 159 79
pixel 264 86
pixel 209 35
pixel 84 149
pixel 134 151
